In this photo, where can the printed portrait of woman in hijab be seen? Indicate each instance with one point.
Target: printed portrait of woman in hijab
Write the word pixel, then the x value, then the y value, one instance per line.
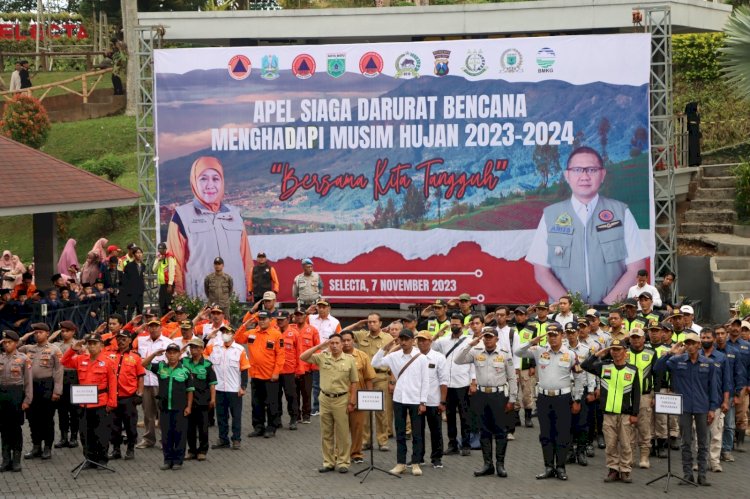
pixel 207 228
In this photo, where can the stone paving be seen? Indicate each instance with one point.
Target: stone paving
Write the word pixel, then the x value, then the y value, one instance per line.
pixel 286 466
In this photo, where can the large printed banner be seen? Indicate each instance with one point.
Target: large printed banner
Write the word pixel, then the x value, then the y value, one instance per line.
pixel 510 169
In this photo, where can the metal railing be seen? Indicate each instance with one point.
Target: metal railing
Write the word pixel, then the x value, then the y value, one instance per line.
pixel 80 314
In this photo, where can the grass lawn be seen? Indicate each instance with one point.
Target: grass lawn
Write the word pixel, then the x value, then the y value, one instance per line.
pixel 75 143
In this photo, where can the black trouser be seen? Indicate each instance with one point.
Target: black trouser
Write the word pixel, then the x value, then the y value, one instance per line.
pixel 554 427
pixel 591 424
pixel 229 403
pixel 96 428
pixel 490 407
pixel 304 394
pixel 11 416
pixel 42 412
pixel 124 417
pixel 117 85
pixel 288 385
pixel 67 414
pixel 165 299
pixel 265 404
pixel 579 423
pixel 434 421
pixel 197 430
pixel 458 402
pixel 700 420
pixel 135 307
pixel 173 424
pixel 417 432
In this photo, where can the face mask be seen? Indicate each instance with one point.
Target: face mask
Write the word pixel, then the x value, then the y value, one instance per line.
pixel 456 329
pixel 226 337
pixel 707 344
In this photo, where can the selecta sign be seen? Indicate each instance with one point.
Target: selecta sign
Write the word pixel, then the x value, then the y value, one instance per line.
pixel 70 29
pixel 408 172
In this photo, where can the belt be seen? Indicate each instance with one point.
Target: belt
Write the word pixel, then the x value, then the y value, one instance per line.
pixel 333 395
pixel 493 389
pixel 554 393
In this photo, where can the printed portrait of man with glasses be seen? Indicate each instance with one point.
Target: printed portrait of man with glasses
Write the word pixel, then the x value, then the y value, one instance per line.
pixel 588 243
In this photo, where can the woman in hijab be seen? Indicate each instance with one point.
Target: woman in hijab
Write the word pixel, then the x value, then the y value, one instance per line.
pixel 91 269
pixel 207 228
pixel 5 261
pixel 68 257
pixel 17 270
pixel 100 248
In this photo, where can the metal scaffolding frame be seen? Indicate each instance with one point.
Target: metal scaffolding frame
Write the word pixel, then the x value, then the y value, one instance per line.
pixel 149 38
pixel 659 24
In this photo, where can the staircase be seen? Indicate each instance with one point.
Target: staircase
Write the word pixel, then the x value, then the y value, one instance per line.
pixel 712 210
pixel 732 275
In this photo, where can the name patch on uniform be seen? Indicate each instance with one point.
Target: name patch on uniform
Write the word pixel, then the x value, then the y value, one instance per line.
pixel 609 225
pixel 545 355
pixel 557 229
pixel 565 357
pixel 645 357
pixel 431 366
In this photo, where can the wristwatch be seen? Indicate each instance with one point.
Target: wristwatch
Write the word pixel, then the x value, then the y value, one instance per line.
pixel 444 402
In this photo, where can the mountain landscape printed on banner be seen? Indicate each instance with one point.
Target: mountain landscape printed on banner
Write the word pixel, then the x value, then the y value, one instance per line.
pixel 190 103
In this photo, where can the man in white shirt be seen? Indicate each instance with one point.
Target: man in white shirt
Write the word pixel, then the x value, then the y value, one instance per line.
pixel 327 325
pixel 146 346
pixel 459 379
pixel 15 78
pixel 688 314
pixel 643 285
pixel 410 368
pixel 508 340
pixel 588 243
pixel 438 371
pixel 564 314
pixel 186 334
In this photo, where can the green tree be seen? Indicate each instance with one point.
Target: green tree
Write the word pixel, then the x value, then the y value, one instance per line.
pixel 415 205
pixel 25 120
pixel 108 166
pixel 736 53
pixel 639 142
pixel 547 160
pixel 603 130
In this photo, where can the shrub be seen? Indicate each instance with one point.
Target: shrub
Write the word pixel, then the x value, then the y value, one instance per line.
pixel 25 120
pixel 742 196
pixel 696 55
pixel 108 166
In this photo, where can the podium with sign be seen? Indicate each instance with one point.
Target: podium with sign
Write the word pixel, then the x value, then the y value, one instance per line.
pixel 371 401
pixel 670 404
pixel 85 394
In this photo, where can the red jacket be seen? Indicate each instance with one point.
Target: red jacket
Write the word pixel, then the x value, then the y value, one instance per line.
pixel 307 337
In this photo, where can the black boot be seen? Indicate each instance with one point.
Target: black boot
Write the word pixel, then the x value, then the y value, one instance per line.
pixel 63 443
pixel 130 453
pixel 36 451
pixel 6 464
pixel 73 442
pixel 16 456
pixel 116 453
pixel 674 443
pixel 661 448
pixel 516 418
pixel 527 418
pixel 581 455
pixel 488 468
pixel 571 455
pixel 501 445
pixel 47 451
pixel 739 440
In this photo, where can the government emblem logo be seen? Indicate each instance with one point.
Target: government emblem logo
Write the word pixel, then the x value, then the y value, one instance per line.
pixel 303 66
pixel 407 65
pixel 239 67
pixel 336 65
pixel 475 64
pixel 511 61
pixel 441 62
pixel 371 64
pixel 269 67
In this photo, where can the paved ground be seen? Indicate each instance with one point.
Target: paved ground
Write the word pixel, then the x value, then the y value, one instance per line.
pixel 286 466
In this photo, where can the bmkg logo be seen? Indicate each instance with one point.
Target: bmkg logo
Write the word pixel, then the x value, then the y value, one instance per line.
pixel 545 59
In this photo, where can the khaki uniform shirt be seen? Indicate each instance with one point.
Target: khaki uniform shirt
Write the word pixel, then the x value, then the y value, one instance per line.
pixel 15 370
pixel 365 371
pixel 219 288
pixel 336 374
pixel 45 363
pixel 369 345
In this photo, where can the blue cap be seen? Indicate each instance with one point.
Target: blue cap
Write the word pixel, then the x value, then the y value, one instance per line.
pixel 307 261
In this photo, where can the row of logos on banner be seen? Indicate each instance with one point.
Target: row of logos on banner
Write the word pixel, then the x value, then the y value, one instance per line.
pixel 408 64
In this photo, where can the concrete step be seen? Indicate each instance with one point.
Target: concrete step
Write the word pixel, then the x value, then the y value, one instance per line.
pixel 712 204
pixel 707 227
pixel 725 244
pixel 728 216
pixel 716 171
pixel 739 286
pixel 714 182
pixel 729 275
pixel 735 296
pixel 742 230
pixel 732 263
pixel 715 193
